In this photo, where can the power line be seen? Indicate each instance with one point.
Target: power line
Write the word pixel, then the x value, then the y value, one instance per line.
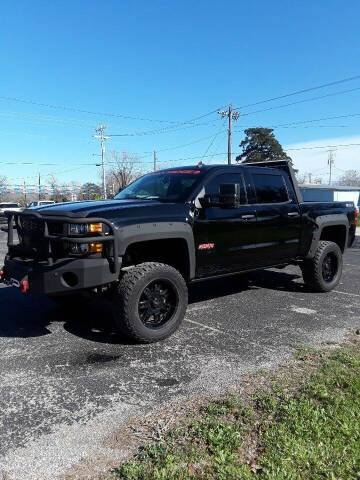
pixel 174 128
pixel 217 148
pixel 290 124
pixel 80 110
pixel 300 101
pixel 321 119
pixel 324 146
pixel 46 119
pixel 296 126
pixel 81 165
pixel 116 115
pixel 298 92
pixel 179 146
pixel 213 140
pixel 44 164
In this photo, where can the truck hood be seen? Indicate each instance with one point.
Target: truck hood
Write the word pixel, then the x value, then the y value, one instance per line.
pixel 119 212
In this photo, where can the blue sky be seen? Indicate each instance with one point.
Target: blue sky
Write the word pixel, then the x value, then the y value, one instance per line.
pixel 172 61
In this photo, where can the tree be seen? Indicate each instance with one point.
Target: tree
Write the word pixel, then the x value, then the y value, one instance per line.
pixel 55 191
pixel 301 178
pixel 124 169
pixel 350 178
pixel 260 145
pixel 90 191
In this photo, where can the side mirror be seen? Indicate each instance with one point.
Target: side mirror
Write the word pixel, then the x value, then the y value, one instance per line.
pixel 205 201
pixel 229 195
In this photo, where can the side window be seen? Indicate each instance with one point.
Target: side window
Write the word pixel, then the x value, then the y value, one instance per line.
pixel 212 188
pixel 270 188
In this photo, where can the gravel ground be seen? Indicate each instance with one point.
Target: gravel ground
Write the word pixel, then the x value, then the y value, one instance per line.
pixel 68 382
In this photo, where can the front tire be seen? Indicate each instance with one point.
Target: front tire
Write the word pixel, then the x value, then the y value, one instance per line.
pixel 323 272
pixel 150 302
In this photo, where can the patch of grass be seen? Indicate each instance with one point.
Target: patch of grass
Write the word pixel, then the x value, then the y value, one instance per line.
pixel 288 431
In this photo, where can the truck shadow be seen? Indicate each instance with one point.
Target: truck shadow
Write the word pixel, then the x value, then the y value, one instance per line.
pixel 100 328
pixel 222 287
pixel 24 316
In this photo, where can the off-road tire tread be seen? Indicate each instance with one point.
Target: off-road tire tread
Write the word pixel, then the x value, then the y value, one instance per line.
pixel 311 273
pixel 125 288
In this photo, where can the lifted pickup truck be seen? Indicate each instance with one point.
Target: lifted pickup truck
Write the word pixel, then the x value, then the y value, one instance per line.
pixel 170 228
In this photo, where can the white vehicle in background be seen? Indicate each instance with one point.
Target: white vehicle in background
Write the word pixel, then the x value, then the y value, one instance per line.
pixel 8 206
pixel 40 203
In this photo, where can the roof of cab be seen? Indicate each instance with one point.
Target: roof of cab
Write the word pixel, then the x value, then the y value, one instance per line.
pixel 204 167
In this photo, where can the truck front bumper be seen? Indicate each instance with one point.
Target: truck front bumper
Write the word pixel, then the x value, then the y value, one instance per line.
pixel 63 276
pixel 38 271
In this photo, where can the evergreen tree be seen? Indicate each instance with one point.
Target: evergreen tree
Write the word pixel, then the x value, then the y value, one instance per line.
pixel 260 145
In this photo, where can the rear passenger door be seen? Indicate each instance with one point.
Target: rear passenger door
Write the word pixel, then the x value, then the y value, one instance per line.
pixel 278 217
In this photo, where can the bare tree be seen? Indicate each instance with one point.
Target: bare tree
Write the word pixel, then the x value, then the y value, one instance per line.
pixel 74 188
pixel 124 169
pixel 350 178
pixel 56 193
pixel 301 177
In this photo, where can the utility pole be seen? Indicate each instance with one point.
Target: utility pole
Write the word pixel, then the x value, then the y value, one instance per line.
pixel 39 195
pixel 25 196
pixel 154 160
pixel 331 161
pixel 100 134
pixel 231 116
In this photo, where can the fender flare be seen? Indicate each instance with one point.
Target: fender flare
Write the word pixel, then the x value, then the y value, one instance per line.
pixel 142 232
pixel 327 221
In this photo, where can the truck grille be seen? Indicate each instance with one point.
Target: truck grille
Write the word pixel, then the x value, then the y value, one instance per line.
pixel 30 225
pixel 32 234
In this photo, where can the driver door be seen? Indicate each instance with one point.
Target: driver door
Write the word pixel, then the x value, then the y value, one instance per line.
pixel 225 237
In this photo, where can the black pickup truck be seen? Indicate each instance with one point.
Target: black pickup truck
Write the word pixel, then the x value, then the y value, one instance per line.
pixel 173 227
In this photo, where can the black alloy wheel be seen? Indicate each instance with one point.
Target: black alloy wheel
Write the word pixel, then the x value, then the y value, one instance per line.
pixel 149 302
pixel 157 303
pixel 322 272
pixel 329 267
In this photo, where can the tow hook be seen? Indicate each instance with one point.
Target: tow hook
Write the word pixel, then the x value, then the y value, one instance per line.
pixel 24 286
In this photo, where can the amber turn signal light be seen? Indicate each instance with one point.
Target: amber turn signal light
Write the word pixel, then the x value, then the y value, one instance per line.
pixel 95 248
pixel 95 227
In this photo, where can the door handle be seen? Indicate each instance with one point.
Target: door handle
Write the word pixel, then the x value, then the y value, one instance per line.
pixel 293 214
pixel 247 217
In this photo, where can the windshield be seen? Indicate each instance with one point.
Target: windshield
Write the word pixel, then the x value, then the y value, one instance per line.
pixel 166 186
pixel 9 205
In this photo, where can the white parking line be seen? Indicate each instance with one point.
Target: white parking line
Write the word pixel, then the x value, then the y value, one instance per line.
pixel 205 326
pixel 351 265
pixel 347 293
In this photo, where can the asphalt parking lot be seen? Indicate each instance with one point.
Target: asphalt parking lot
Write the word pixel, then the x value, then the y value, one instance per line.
pixel 68 381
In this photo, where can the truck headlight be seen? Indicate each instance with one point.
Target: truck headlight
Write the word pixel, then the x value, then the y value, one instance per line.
pixel 84 228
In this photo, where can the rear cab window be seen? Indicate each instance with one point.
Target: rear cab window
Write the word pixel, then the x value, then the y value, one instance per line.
pixel 269 188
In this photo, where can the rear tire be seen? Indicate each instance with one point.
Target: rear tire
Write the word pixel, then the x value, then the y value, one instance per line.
pixel 150 302
pixel 323 272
